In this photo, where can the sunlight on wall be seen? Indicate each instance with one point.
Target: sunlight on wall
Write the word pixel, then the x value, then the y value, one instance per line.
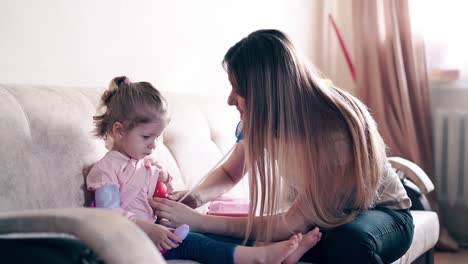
pixel 178 45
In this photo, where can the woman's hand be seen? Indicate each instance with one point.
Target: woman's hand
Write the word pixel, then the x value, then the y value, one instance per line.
pixel 191 200
pixel 174 213
pixel 163 237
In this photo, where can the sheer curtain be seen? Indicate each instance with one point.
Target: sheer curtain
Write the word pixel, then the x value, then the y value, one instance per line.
pixel 391 78
pixel 327 54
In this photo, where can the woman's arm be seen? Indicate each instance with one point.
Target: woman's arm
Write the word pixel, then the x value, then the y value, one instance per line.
pixel 174 214
pixel 288 223
pixel 218 182
pixel 291 222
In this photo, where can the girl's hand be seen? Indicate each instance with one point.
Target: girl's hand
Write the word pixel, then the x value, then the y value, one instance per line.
pixel 168 183
pixel 162 237
pixel 169 188
pixel 190 200
pixel 174 213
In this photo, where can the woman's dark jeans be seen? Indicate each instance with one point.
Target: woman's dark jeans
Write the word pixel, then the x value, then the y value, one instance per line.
pixel 379 235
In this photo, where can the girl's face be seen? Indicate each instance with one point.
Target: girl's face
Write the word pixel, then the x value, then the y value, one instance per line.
pixel 139 141
pixel 235 99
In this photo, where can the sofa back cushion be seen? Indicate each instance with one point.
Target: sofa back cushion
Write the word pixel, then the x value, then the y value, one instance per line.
pixel 47 143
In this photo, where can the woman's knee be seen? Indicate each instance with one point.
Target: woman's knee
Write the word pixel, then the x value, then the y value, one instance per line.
pixel 350 244
pixel 374 236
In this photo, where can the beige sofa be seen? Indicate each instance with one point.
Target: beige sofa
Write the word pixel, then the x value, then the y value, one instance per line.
pixel 46 145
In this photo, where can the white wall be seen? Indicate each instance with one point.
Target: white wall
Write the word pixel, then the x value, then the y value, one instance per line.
pixel 177 45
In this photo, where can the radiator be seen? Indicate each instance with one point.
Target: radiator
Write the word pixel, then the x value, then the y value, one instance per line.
pixel 450 129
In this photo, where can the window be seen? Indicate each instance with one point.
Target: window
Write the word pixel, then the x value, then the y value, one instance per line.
pixel 442 24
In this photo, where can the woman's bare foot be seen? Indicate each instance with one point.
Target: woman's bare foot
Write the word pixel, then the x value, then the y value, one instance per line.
pixel 306 242
pixel 274 253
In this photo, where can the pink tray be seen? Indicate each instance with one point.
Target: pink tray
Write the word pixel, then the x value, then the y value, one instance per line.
pixel 228 206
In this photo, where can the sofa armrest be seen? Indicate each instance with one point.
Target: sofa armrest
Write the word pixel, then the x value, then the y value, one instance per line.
pixel 112 237
pixel 414 173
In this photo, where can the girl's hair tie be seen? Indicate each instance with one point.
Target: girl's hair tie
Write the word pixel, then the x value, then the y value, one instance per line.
pixel 121 80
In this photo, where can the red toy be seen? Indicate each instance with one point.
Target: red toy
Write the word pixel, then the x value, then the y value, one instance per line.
pixel 161 190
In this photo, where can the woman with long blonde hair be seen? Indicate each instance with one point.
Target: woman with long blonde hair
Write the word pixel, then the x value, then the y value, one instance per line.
pixel 308 145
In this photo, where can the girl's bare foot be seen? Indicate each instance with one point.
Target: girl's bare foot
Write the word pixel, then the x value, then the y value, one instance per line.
pixel 306 242
pixel 274 253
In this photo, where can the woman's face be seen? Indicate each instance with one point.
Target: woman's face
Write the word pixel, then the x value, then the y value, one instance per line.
pixel 235 99
pixel 238 101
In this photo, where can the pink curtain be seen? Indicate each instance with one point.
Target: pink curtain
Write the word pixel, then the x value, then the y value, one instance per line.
pixel 391 78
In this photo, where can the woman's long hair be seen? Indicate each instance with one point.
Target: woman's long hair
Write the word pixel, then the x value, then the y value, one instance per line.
pixel 302 136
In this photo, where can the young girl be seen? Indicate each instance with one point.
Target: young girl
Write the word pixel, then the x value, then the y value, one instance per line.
pixel 134 115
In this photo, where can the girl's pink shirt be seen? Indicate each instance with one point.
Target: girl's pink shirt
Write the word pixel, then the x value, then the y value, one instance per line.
pixel 136 180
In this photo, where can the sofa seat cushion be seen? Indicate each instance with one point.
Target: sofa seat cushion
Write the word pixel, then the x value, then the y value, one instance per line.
pixel 426 233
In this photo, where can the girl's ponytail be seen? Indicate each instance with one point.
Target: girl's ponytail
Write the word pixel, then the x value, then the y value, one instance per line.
pixel 101 119
pixel 113 86
pixel 121 80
